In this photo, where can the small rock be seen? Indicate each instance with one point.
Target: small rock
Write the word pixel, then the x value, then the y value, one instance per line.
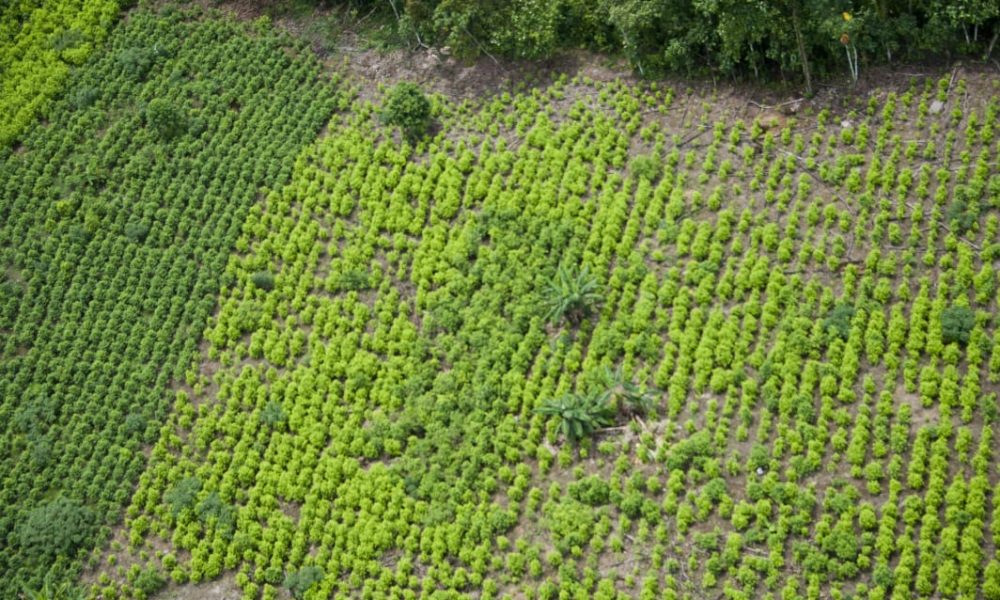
pixel 936 107
pixel 760 470
pixel 846 124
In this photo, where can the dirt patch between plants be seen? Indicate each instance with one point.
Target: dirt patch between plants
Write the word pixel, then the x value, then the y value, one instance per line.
pixel 224 588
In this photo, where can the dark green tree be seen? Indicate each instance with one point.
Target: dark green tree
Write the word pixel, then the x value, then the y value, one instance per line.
pixel 165 119
pixel 57 528
pixel 299 582
pixel 408 108
pixel 956 324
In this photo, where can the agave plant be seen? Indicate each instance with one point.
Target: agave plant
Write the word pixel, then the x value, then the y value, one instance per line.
pixel 625 396
pixel 581 414
pixel 572 294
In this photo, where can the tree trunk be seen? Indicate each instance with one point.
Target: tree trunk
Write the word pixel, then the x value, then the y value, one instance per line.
pixel 801 42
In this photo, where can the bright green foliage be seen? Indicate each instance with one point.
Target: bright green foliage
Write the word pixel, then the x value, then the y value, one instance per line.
pixel 40 42
pixel 112 246
pixel 373 413
pixel 579 415
pixel 148 582
pixel 572 295
pixel 591 490
pixel 408 108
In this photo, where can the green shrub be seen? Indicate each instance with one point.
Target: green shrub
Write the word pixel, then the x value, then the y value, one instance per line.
pixel 165 119
pixel 136 231
pixel 591 490
pixel 183 494
pixel 57 528
pixel 149 582
pixel 647 166
pixel 273 414
pixel 408 108
pixel 298 583
pixel 263 280
pixel 838 322
pixel 956 324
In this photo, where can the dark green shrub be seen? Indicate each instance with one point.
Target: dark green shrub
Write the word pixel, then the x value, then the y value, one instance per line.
pixel 408 108
pixel 298 583
pixel 956 324
pixel 263 280
pixel 84 96
pixel 961 214
pixel 137 62
pixel 272 414
pixel 183 494
pixel 165 119
pixel 838 322
pixel 136 231
pixel 55 529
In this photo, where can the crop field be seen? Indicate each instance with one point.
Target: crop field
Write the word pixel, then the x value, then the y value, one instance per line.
pixel 597 338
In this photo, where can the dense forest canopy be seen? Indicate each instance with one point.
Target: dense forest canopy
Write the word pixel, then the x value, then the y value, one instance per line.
pixel 747 38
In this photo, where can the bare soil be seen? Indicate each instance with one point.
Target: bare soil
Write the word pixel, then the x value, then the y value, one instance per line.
pixel 223 588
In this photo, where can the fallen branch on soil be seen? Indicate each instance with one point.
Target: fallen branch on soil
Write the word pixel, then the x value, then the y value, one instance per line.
pixel 768 107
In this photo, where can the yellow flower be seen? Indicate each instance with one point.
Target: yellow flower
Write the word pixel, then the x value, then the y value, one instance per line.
pixel 847 16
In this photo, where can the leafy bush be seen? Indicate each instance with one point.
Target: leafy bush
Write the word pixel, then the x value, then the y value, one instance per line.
pixel 299 582
pixel 263 280
pixel 165 119
pixel 57 528
pixel 137 62
pixel 961 214
pixel 838 322
pixel 408 108
pixel 956 324
pixel 647 166
pixel 136 231
pixel 149 581
pixel 572 294
pixel 273 414
pixel 183 494
pixel 689 451
pixel 592 490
